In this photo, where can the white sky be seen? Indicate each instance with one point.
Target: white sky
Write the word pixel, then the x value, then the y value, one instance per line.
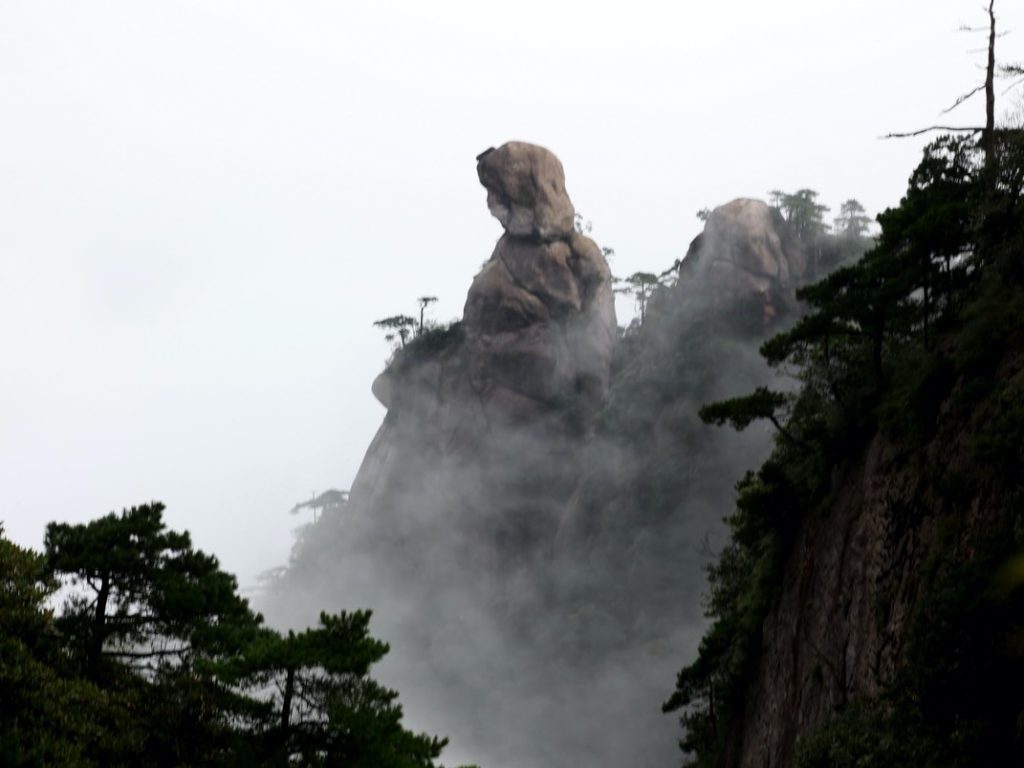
pixel 204 205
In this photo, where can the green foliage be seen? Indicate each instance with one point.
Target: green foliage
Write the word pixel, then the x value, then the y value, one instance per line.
pixel 914 332
pixel 321 707
pixel 402 330
pixel 156 660
pixel 641 286
pixel 142 596
pixel 999 448
pixel 432 341
pixel 870 735
pixel 919 387
pixel 964 666
pixel 740 412
pixel 25 590
pixel 743 584
pixel 400 326
pixel 48 715
pixel 802 212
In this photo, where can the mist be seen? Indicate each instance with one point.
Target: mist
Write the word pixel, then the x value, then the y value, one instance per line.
pixel 540 573
pixel 207 208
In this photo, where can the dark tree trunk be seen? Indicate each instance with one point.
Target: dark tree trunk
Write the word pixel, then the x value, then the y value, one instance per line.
pixel 286 703
pixel 95 650
pixel 988 137
pixel 877 340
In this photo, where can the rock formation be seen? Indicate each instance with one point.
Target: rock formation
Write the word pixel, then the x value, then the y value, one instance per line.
pixel 744 253
pixel 526 191
pixel 540 315
pixel 525 528
pixel 503 396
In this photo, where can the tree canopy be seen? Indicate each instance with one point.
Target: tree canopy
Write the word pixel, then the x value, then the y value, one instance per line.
pixel 883 343
pixel 801 211
pixel 155 659
pixel 852 220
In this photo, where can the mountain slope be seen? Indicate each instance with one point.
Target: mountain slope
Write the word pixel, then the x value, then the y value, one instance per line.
pixel 868 607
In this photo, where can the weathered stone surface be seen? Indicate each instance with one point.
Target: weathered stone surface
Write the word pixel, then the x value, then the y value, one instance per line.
pixel 742 253
pixel 540 317
pixel 543 270
pixel 526 191
pixel 507 401
pixel 841 624
pixel 381 389
pixel 496 302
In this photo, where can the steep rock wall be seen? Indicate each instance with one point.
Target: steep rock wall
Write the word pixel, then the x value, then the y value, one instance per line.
pixel 860 566
pixel 502 405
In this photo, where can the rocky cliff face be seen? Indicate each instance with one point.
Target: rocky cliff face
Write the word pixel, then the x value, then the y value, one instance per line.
pixel 527 523
pixel 500 403
pixel 897 518
pixel 509 394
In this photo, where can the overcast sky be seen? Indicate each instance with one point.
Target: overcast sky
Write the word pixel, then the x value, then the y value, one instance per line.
pixel 205 205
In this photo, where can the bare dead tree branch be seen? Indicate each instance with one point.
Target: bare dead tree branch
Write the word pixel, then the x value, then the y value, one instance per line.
pixel 961 99
pixel 988 86
pixel 931 128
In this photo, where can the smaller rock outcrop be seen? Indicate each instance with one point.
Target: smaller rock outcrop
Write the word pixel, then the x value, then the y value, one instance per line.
pixel 743 253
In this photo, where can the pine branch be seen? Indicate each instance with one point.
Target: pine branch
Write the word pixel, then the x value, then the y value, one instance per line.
pixel 148 654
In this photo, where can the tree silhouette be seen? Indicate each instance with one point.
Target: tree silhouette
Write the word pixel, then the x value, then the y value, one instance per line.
pixel 992 71
pixel 802 211
pixel 140 595
pixel 852 221
pixel 328 502
pixel 320 706
pixel 640 285
pixel 402 325
pixel 156 660
pixel 424 302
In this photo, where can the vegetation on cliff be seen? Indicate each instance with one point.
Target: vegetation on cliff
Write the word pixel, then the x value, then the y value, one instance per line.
pixel 916 340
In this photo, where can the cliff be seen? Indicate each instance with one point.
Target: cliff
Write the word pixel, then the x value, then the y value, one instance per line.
pixel 504 396
pixel 907 523
pixel 868 605
pixel 528 522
